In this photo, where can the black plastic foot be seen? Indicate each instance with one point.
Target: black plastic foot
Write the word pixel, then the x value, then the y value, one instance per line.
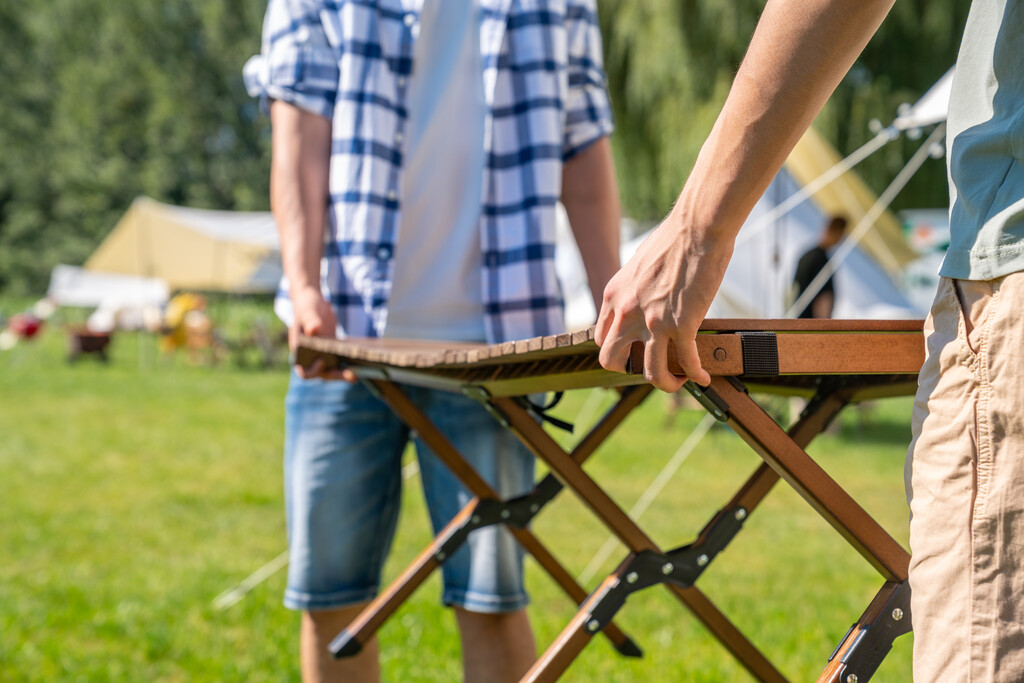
pixel 344 645
pixel 628 648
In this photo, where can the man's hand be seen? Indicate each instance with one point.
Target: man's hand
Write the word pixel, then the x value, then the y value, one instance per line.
pixel 798 54
pixel 314 317
pixel 662 294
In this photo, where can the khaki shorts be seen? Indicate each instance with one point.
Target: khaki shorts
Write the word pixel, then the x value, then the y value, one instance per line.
pixel 965 484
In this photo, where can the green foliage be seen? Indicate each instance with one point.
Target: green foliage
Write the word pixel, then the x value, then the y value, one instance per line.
pixel 136 492
pixel 104 101
pixel 108 101
pixel 671 62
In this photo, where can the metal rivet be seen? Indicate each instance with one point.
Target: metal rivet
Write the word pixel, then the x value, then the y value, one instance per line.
pixel 593 625
pixel 741 514
pixel 534 507
pixel 720 354
pixel 476 519
pixel 632 577
pixel 897 614
pixel 702 560
pixel 718 413
pixel 667 568
pixel 441 556
pixel 852 678
pixel 505 514
pixel 696 393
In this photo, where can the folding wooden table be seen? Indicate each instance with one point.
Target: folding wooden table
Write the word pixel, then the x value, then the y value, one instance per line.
pixel 832 362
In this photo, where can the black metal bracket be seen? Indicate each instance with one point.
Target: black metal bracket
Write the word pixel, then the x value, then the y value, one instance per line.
pixel 515 512
pixel 709 399
pixel 874 640
pixel 826 387
pixel 681 567
pixel 483 397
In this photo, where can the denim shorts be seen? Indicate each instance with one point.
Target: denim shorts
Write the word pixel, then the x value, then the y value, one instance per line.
pixel 343 481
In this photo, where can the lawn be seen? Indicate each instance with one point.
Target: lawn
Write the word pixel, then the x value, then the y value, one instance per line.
pixel 134 493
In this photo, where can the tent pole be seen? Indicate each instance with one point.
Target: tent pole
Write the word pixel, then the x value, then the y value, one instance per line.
pixel 808 190
pixel 868 221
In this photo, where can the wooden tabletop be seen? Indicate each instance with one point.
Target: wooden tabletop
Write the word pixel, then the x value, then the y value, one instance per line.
pixel 804 348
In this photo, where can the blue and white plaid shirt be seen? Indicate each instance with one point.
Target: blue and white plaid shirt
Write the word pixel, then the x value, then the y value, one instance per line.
pixel 545 100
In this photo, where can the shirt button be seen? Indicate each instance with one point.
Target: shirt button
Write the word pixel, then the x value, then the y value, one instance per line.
pixel 383 253
pixel 392 195
pixel 409 19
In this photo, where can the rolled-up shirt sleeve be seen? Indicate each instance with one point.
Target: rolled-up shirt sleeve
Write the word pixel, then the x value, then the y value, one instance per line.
pixel 588 107
pixel 296 64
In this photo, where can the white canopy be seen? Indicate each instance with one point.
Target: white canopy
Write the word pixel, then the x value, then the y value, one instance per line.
pixel 928 110
pixel 73 286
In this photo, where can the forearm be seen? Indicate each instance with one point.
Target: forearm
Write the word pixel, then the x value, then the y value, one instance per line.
pixel 301 146
pixel 591 199
pixel 799 53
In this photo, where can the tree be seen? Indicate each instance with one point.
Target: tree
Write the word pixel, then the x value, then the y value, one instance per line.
pixel 107 100
pixel 670 64
pixel 113 100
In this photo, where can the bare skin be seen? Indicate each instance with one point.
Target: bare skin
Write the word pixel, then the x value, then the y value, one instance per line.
pixel 799 53
pixel 496 648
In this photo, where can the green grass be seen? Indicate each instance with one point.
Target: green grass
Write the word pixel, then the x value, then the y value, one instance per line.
pixel 132 494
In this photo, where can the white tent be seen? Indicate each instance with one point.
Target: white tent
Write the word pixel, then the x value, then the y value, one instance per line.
pixel 758 280
pixel 928 110
pixel 73 286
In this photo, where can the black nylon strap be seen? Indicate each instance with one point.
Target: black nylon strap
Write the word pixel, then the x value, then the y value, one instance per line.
pixel 760 354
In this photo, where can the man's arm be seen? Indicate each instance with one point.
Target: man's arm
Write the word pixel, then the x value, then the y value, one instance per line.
pixel 591 199
pixel 299 169
pixel 799 53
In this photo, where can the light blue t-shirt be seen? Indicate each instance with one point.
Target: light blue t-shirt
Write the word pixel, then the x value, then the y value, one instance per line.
pixel 437 292
pixel 985 145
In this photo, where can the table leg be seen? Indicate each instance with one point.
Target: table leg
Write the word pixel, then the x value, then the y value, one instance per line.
pixel 350 641
pixel 616 520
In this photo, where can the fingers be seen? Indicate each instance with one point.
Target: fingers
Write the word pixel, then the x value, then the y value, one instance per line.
pixel 656 365
pixel 616 343
pixel 318 370
pixel 689 360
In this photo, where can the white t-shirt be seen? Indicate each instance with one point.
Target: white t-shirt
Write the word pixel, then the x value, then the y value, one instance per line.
pixel 436 292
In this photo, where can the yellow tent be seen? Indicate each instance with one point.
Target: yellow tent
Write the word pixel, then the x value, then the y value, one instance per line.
pixel 196 249
pixel 850 196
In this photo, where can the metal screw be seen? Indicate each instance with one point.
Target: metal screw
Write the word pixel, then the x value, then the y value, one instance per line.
pixel 897 614
pixel 667 568
pixel 702 560
pixel 852 678
pixel 741 514
pixel 593 625
pixel 505 514
pixel 632 577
